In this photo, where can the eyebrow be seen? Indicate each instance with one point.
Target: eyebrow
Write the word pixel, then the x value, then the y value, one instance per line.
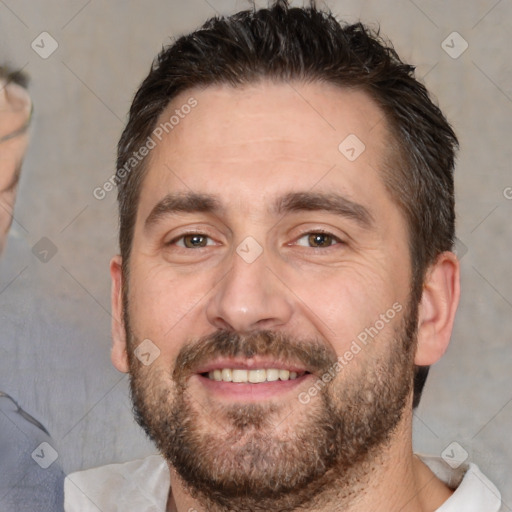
pixel 291 202
pixel 328 202
pixel 182 203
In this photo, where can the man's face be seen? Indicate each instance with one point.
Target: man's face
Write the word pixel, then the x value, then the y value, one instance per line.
pixel 14 112
pixel 260 245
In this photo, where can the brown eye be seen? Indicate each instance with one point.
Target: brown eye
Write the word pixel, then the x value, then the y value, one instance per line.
pixel 191 241
pixel 320 240
pixel 194 241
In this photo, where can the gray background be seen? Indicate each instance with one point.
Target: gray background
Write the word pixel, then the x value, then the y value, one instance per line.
pixel 54 315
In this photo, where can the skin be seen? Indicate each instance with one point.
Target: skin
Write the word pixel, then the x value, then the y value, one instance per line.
pixel 247 147
pixel 15 107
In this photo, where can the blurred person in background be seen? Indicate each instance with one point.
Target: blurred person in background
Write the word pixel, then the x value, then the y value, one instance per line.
pixel 30 477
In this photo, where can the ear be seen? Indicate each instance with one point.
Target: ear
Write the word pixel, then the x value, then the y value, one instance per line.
pixel 439 301
pixel 118 355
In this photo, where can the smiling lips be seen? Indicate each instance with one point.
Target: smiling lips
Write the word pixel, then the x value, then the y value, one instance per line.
pixel 253 376
pixel 247 380
pixel 254 370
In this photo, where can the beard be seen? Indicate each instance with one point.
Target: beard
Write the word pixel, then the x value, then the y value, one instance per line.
pixel 277 456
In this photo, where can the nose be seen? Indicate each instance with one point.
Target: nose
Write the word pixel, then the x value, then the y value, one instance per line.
pixel 250 297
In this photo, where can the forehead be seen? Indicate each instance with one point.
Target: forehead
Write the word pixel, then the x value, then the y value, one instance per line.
pixel 267 138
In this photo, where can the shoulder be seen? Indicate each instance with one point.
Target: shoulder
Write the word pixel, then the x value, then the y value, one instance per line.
pixel 141 484
pixel 31 474
pixel 17 426
pixel 473 491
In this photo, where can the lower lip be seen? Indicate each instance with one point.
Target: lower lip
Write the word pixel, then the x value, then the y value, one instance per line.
pixel 248 392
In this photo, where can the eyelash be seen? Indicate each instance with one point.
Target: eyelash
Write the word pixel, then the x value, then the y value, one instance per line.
pixel 335 239
pixel 174 241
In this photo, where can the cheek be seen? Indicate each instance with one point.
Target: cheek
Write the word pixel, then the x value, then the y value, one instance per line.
pixel 342 302
pixel 4 221
pixel 164 306
pixel 6 208
pixel 7 202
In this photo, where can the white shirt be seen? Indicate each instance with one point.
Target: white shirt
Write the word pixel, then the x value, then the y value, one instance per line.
pixel 143 486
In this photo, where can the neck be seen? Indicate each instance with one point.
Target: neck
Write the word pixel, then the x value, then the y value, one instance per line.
pixel 394 479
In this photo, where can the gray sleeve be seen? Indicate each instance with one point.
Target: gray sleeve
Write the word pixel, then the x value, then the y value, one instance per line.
pixel 31 478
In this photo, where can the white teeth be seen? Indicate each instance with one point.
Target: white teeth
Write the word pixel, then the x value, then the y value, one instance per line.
pixel 226 375
pixel 239 375
pixel 257 376
pixel 272 374
pixel 284 374
pixel 252 376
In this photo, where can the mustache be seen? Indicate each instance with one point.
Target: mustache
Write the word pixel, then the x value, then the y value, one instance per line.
pixel 312 353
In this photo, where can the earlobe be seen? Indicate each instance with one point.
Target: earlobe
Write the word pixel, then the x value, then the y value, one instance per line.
pixel 437 309
pixel 118 355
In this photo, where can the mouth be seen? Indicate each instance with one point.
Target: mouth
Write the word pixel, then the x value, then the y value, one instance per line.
pixel 255 376
pixel 251 379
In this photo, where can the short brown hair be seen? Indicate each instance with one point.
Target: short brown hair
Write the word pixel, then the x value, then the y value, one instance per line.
pixel 307 44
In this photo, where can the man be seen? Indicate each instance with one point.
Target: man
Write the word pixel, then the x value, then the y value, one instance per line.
pixel 30 478
pixel 15 114
pixel 286 275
